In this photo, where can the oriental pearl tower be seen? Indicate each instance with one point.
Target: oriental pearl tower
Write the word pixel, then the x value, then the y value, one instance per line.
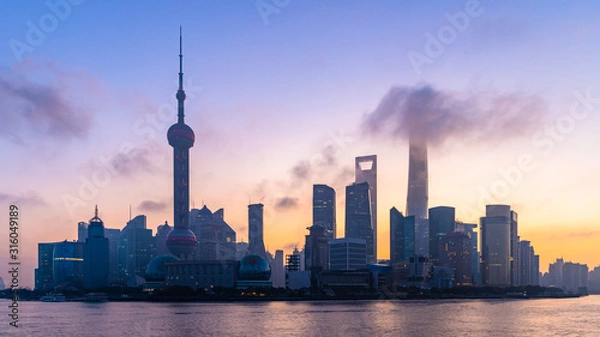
pixel 181 241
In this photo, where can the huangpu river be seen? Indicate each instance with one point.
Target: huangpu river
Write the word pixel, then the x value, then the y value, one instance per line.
pixel 517 317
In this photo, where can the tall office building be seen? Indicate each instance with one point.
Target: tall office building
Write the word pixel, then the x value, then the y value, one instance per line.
pixel 324 209
pixel 277 270
pixel 495 245
pixel 82 231
pixel 358 217
pixel 441 222
pixel 469 229
pixel 528 265
pixel 455 252
pixel 347 254
pixel 160 239
pixel 365 170
pixel 114 272
pixel 402 236
pixel 136 249
pixel 316 249
pixel 417 197
pixel 515 274
pixel 216 239
pixel 60 264
pixel 256 244
pixel 95 255
pixel 181 240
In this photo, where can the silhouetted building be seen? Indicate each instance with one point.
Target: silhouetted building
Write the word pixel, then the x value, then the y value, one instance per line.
pixel 255 230
pixel 455 252
pixel 292 261
pixel 277 270
pixel 136 249
pixel 469 229
pixel 95 255
pixel 575 278
pixel 402 236
pixel 515 269
pixel 358 216
pixel 529 265
pixel 114 272
pixel 417 197
pixel 347 254
pixel 160 239
pixel 441 222
pixel 324 209
pixel 82 231
pixel 365 170
pixel 316 249
pixel 201 274
pixel 495 245
pixel 59 264
pixel 181 240
pixel 216 239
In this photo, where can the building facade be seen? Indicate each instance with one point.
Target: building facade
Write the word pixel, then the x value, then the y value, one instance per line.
pixel 358 216
pixel 495 245
pixel 347 254
pixel 365 170
pixel 324 209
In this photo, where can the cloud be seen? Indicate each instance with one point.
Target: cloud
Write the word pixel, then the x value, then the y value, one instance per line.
pixel 152 206
pixel 286 203
pixel 425 114
pixel 31 109
pixel 29 198
pixel 301 171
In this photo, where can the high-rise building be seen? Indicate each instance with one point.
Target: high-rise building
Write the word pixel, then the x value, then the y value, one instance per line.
pixel 347 254
pixel 216 239
pixel 495 245
pixel 441 222
pixel 324 209
pixel 575 278
pixel 365 169
pixel 402 236
pixel 469 229
pixel 277 270
pixel 292 261
pixel 515 272
pixel 358 217
pixel 316 249
pixel 60 264
pixel 529 266
pixel 455 252
pixel 114 272
pixel 417 197
pixel 95 255
pixel 136 249
pixel 181 240
pixel 82 231
pixel 160 239
pixel 256 244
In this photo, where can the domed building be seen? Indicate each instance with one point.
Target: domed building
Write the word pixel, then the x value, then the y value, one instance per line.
pixel 253 272
pixel 156 272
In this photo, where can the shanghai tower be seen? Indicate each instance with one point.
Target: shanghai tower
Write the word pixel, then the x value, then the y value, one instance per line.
pixel 181 241
pixel 417 196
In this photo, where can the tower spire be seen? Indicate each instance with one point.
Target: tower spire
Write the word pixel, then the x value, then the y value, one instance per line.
pixel 180 93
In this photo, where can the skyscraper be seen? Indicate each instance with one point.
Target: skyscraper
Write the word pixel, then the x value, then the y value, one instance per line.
pixel 95 255
pixel 114 273
pixel 316 250
pixel 495 245
pixel 181 240
pixel 358 216
pixel 82 231
pixel 441 222
pixel 455 251
pixel 136 249
pixel 160 239
pixel 256 245
pixel 216 239
pixel 324 209
pixel 515 256
pixel 402 236
pixel 365 170
pixel 417 196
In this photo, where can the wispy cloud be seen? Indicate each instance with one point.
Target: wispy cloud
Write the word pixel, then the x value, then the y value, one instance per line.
pixel 29 198
pixel 286 203
pixel 152 206
pixel 34 109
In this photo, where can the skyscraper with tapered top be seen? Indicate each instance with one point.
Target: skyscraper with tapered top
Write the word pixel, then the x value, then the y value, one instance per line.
pixel 365 170
pixel 181 241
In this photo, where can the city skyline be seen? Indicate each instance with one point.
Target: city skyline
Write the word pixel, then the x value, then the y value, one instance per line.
pixel 269 131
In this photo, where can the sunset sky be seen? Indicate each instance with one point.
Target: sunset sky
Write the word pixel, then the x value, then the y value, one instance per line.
pixel 283 94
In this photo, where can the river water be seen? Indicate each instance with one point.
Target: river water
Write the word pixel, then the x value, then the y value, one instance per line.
pixel 543 317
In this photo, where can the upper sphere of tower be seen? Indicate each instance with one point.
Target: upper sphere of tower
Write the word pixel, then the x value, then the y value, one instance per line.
pixel 180 95
pixel 181 135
